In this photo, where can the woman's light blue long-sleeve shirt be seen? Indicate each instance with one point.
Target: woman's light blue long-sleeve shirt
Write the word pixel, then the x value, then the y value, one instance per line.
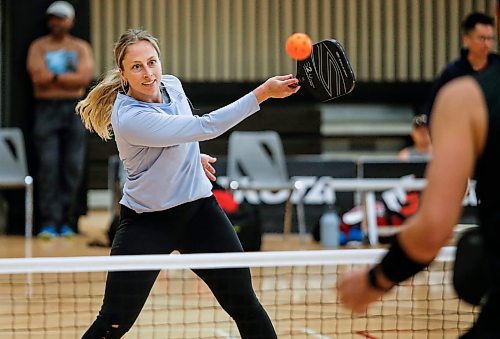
pixel 158 144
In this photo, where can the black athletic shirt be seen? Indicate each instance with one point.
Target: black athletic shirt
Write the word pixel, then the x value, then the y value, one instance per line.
pixel 488 167
pixel 457 68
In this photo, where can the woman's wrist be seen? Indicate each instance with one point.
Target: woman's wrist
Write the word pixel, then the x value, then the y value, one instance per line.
pixel 397 266
pixel 377 282
pixel 261 93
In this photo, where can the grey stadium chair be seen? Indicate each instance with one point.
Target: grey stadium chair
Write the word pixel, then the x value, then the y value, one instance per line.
pixel 256 161
pixel 14 170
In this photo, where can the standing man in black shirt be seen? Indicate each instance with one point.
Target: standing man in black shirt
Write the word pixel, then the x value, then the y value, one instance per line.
pixel 475 56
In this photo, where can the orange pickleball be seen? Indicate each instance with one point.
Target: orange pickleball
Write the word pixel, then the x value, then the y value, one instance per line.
pixel 299 46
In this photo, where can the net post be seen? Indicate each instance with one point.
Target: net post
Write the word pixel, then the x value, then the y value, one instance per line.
pixel 371 217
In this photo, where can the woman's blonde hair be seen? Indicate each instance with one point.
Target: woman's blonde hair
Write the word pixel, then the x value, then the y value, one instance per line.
pixel 95 110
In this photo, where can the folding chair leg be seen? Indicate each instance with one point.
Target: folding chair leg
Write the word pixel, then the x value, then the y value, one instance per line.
pixel 287 225
pixel 302 221
pixel 371 217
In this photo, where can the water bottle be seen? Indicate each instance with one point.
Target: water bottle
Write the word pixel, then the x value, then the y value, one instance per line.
pixel 329 224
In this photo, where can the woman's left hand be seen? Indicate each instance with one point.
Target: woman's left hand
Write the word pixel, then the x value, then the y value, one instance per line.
pixel 206 162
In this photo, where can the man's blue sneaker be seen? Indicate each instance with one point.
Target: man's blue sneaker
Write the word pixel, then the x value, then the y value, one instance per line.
pixel 47 232
pixel 66 231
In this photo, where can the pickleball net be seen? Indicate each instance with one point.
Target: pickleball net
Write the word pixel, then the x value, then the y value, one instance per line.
pixel 60 297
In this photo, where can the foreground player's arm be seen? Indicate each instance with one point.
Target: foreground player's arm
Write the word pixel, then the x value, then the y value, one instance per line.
pixel 459 132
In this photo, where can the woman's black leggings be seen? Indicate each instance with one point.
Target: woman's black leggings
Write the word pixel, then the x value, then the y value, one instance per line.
pixel 196 227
